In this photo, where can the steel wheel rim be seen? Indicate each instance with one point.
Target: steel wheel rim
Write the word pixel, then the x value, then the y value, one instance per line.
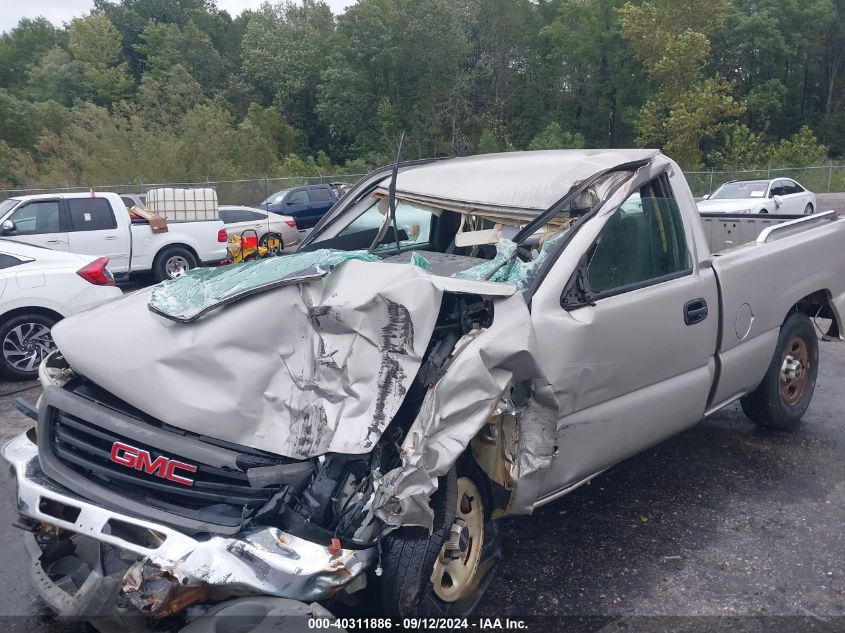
pixel 25 346
pixel 794 371
pixel 176 266
pixel 455 569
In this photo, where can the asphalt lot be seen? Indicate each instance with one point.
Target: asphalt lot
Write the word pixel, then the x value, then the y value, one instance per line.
pixel 723 520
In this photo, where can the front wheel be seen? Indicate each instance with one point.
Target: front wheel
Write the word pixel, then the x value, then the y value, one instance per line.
pixel 787 388
pixel 808 210
pixel 26 341
pixel 172 262
pixel 444 573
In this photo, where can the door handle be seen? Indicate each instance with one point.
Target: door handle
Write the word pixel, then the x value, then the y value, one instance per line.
pixel 111 237
pixel 53 242
pixel 695 311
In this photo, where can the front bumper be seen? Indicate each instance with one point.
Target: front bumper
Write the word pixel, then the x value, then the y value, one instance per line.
pixel 264 561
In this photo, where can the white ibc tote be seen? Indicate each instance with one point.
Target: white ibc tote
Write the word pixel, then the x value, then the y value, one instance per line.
pixel 180 205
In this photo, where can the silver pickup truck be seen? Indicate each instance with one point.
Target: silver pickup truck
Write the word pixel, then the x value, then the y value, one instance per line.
pixel 456 341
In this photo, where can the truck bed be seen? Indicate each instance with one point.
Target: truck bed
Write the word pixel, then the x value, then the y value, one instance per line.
pixel 771 263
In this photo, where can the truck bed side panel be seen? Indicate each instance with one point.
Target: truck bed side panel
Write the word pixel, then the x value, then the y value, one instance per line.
pixel 759 284
pixel 725 231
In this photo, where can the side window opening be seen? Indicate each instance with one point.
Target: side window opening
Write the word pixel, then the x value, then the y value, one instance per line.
pixel 298 197
pixel 90 214
pixel 37 217
pixel 642 243
pixel 319 195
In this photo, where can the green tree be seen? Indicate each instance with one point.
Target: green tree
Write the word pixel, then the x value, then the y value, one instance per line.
pixel 686 108
pixel 488 144
pixel 163 46
pixel 284 52
pixel 596 79
pixel 165 97
pixel 802 149
pixel 23 46
pixel 555 137
pixel 58 76
pixel 95 43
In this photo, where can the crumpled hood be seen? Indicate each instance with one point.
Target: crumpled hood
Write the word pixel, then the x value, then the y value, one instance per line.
pixel 299 370
pixel 731 206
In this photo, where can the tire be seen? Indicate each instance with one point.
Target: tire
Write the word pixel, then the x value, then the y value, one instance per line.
pixel 808 210
pixel 785 393
pixel 173 261
pixel 25 341
pixel 265 239
pixel 764 210
pixel 412 555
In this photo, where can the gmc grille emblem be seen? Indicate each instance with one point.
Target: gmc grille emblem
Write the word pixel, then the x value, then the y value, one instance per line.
pixel 161 466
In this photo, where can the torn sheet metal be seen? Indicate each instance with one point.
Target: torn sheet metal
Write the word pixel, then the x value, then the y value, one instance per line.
pixel 298 370
pixel 485 364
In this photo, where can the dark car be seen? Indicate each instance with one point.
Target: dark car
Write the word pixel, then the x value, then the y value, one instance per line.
pixel 306 205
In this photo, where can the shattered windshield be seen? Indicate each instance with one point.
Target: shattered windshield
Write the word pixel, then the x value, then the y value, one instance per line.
pixel 497 246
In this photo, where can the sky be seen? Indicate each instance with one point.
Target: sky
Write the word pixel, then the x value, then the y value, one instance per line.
pixel 60 11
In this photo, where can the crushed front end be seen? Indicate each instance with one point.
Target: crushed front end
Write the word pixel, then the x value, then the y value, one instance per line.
pixel 126 515
pixel 115 530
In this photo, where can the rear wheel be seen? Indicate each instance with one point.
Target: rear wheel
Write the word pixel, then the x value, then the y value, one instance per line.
pixel 173 261
pixel 808 210
pixel 25 341
pixel 444 573
pixel 787 388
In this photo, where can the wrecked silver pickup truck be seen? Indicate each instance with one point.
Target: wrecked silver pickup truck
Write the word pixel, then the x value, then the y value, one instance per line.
pixel 354 417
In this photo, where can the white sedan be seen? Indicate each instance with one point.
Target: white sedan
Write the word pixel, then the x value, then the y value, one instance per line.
pixel 266 225
pixel 782 196
pixel 38 287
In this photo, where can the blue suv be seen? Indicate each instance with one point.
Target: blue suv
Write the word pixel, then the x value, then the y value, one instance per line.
pixel 306 205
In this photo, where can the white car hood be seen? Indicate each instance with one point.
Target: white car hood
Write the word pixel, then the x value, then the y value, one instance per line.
pixel 731 206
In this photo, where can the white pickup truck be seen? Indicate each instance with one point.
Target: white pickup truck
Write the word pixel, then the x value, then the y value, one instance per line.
pixel 99 224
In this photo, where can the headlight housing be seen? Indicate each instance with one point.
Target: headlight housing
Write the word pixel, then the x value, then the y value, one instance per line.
pixel 54 370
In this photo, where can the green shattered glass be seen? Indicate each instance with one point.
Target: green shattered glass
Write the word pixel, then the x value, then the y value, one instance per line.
pixel 419 260
pixel 189 296
pixel 505 264
pixel 509 268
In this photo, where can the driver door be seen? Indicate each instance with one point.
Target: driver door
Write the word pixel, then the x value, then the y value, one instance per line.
pixel 38 222
pixel 631 362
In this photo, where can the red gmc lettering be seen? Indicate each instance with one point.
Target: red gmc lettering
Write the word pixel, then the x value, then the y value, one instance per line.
pixel 139 459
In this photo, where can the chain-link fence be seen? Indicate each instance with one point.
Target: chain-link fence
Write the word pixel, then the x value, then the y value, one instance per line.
pixel 818 179
pixel 249 192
